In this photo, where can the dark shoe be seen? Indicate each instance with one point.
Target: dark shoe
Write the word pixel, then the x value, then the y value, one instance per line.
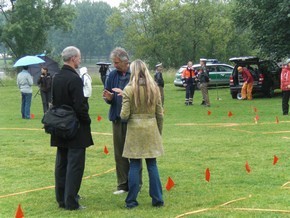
pixel 190 103
pixel 130 207
pixel 160 204
pixel 79 208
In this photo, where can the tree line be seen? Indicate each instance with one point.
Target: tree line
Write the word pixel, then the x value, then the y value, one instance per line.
pixel 171 32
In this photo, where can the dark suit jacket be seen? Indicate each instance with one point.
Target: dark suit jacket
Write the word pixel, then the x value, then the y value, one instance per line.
pixel 68 89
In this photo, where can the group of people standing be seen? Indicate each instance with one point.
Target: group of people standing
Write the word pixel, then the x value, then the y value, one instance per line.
pixel 191 78
pixel 136 113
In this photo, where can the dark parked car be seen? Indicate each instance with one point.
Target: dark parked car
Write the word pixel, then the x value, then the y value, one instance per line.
pixel 266 74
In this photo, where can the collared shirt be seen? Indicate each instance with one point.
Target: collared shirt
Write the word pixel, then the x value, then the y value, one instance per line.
pixel 25 81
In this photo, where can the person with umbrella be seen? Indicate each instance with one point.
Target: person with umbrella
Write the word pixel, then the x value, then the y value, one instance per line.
pixel 24 83
pixel 44 83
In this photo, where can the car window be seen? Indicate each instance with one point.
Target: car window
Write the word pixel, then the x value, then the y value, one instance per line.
pixel 211 69
pixel 224 69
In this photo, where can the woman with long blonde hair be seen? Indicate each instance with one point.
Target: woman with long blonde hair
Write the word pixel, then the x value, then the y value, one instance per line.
pixel 142 109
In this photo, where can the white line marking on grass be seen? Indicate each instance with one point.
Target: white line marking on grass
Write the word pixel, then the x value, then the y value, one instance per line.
pixel 50 187
pixel 35 129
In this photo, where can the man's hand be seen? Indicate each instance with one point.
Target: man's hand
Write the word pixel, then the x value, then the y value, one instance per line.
pixel 107 95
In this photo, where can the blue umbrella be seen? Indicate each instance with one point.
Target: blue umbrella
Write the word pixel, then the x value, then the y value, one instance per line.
pixel 28 60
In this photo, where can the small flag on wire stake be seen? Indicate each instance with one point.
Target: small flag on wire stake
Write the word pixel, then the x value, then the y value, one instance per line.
pixel 99 118
pixel 170 183
pixel 106 151
pixel 207 174
pixel 19 212
pixel 248 169
pixel 275 160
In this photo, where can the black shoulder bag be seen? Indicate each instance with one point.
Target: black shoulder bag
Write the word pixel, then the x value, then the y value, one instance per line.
pixel 61 121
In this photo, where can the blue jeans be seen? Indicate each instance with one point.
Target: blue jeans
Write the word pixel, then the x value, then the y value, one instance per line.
pixel 25 105
pixel 155 188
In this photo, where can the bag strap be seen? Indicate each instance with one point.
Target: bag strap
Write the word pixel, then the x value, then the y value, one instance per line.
pixel 52 88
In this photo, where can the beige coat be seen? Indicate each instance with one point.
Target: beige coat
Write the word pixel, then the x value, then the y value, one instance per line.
pixel 143 139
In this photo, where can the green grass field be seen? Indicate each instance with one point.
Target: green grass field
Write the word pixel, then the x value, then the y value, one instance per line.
pixel 193 141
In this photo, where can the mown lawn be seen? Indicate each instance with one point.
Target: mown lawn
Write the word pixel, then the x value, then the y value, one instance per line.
pixel 195 138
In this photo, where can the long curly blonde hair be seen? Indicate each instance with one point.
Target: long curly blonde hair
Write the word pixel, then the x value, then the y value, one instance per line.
pixel 140 75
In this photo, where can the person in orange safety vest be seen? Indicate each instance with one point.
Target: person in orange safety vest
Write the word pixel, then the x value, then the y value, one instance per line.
pixel 188 78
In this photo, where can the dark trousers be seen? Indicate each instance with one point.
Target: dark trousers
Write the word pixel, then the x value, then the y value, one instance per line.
pixel 161 89
pixel 285 102
pixel 122 164
pixel 69 169
pixel 46 99
pixel 189 93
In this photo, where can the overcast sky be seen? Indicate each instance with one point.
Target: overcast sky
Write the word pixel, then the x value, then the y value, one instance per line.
pixel 113 3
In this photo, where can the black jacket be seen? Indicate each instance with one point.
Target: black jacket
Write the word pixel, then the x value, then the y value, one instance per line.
pixel 67 88
pixel 44 82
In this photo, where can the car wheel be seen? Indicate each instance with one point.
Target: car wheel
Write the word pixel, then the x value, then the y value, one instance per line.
pixel 234 95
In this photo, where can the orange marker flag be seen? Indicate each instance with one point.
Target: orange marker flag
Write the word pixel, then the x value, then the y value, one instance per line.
pixel 32 116
pixel 106 151
pixel 230 114
pixel 248 167
pixel 19 212
pixel 275 160
pixel 208 113
pixel 99 118
pixel 277 119
pixel 169 184
pixel 207 174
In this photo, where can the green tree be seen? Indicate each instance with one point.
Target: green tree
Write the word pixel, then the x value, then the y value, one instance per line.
pixel 88 33
pixel 268 22
pixel 26 28
pixel 174 32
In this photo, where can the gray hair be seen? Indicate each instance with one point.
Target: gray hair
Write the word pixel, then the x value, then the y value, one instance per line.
pixel 70 52
pixel 120 53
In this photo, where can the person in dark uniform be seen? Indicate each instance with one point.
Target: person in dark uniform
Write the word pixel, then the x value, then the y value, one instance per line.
pixel 67 88
pixel 203 77
pixel 44 83
pixel 159 80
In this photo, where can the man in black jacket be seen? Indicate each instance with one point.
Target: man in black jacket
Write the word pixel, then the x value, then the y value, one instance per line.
pixel 67 88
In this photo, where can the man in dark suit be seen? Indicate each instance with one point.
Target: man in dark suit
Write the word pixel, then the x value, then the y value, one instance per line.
pixel 67 88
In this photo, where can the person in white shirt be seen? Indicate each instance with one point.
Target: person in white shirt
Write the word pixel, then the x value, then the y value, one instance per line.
pixel 25 82
pixel 87 81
